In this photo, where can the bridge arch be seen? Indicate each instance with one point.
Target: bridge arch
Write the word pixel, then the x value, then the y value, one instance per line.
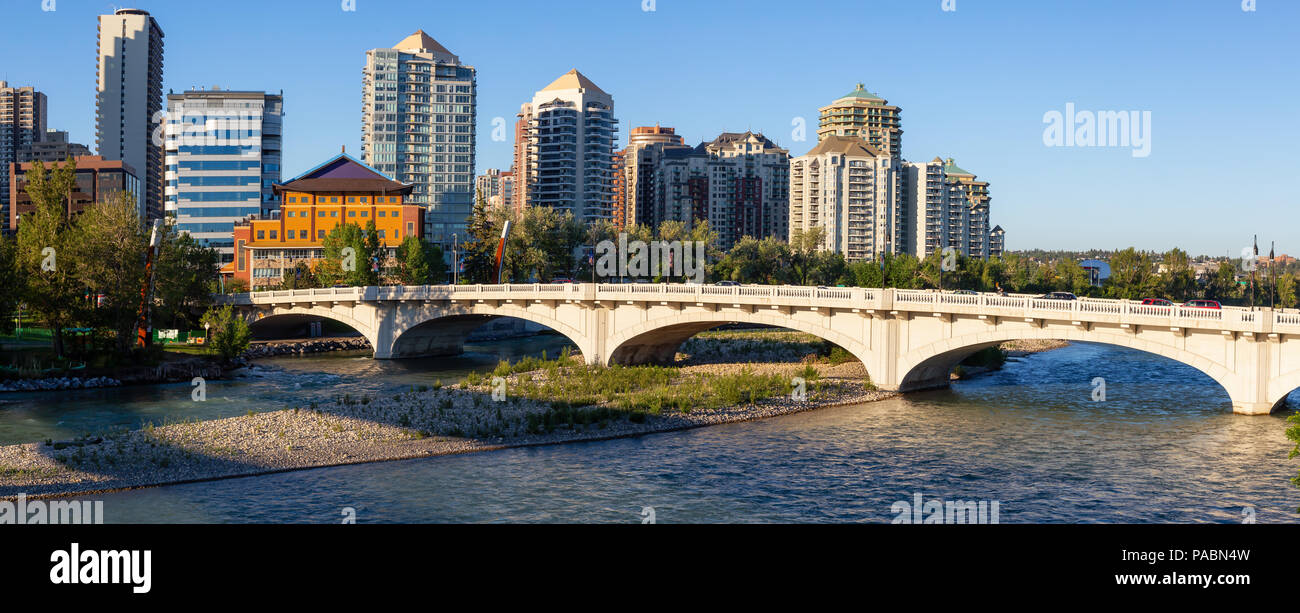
pixel 929 366
pixel 657 340
pixel 1282 387
pixel 263 320
pixel 442 331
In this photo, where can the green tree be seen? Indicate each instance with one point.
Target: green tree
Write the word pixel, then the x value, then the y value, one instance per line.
pixel 10 282
pixel 1178 279
pixel 301 276
pixel 1131 275
pixel 109 250
pixel 479 252
pixel 1286 291
pixel 1223 285
pixel 350 256
pixel 183 280
pixel 229 332
pixel 51 289
pixel 804 246
pixel 1293 434
pixel 420 263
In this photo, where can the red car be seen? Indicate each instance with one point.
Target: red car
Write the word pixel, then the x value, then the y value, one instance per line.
pixel 1203 304
pixel 1156 302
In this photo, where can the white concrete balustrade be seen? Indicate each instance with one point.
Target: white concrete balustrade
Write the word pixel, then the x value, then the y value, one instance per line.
pixel 906 339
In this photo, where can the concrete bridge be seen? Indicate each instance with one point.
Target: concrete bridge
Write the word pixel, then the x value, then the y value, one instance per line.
pixel 907 339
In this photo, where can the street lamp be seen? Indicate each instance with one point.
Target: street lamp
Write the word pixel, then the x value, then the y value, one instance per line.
pixel 455 261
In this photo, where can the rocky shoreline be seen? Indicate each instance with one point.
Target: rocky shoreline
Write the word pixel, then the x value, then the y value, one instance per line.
pixel 304 347
pixel 419 423
pixel 166 372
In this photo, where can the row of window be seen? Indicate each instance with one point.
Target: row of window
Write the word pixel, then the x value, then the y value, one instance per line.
pixel 335 200
pixel 306 234
pixel 305 214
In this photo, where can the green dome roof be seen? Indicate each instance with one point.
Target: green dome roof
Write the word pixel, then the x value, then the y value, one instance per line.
pixel 862 93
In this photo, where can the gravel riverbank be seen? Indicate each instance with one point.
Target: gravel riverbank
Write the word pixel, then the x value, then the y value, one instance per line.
pixel 417 423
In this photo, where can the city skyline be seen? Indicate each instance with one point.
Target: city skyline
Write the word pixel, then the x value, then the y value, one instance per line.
pixel 989 115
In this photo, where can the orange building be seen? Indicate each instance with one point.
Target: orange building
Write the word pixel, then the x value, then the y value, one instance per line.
pixel 339 191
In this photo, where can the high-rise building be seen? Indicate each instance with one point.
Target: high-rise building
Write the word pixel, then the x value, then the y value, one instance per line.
pixel 627 174
pixel 850 190
pixel 53 148
pixel 568 165
pixel 968 211
pixel 739 183
pixel 522 166
pixel 418 123
pixel 488 184
pixel 22 124
pixel 997 242
pixel 947 207
pixel 865 115
pixel 926 193
pixel 223 156
pixel 96 181
pixel 129 100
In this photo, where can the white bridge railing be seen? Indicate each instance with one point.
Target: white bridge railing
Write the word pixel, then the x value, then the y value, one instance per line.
pixel 930 301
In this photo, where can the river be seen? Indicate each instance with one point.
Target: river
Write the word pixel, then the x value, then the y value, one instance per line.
pixel 1163 446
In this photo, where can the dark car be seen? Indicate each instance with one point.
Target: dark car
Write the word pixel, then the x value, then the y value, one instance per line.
pixel 1156 302
pixel 1203 304
pixel 964 292
pixel 561 280
pixel 1058 296
pixel 727 283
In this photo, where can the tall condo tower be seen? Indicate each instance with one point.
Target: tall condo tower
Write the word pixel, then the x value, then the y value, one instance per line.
pixel 569 129
pixel 129 102
pixel 22 124
pixel 418 122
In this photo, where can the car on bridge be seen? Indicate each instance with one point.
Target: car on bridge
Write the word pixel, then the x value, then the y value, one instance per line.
pixel 1203 304
pixel 727 284
pixel 1156 302
pixel 1058 296
pixel 964 292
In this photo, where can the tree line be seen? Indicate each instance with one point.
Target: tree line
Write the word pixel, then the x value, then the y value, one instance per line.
pixel 87 271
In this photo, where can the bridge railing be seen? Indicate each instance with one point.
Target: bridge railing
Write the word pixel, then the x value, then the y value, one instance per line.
pixel 1236 318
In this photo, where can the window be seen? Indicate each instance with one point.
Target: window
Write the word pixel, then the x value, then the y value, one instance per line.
pixel 334 213
pixel 320 234
pixel 381 234
pixel 383 214
pixel 352 199
pixel 289 214
pixel 321 214
pixel 272 234
pixel 292 199
pixel 352 213
pixel 261 234
pixel 365 213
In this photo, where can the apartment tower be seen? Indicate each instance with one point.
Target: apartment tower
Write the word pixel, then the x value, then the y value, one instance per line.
pixel 568 165
pixel 418 123
pixel 22 124
pixel 129 101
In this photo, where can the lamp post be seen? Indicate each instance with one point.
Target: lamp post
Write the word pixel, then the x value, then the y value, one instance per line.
pixel 455 261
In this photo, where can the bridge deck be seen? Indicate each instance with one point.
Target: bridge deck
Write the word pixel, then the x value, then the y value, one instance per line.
pixel 1228 319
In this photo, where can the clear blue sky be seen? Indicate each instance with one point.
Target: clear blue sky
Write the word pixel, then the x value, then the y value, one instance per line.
pixel 974 84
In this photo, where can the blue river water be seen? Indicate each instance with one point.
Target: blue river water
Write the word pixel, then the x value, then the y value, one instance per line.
pixel 1162 447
